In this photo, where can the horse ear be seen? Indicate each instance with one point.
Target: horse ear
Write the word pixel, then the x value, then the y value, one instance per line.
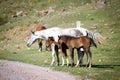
pixel 58 37
pixel 51 38
pixel 32 32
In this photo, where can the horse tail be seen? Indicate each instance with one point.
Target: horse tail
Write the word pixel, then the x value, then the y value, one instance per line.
pixel 93 42
pixel 96 36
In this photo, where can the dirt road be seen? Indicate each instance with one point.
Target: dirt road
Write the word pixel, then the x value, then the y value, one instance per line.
pixel 10 70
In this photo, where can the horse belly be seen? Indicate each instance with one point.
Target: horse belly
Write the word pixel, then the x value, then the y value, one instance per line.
pixel 76 44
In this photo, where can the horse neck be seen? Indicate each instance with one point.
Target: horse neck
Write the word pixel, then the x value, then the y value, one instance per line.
pixel 56 43
pixel 41 35
pixel 64 39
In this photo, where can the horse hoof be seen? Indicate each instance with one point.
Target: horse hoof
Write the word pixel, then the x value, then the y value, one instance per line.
pixel 57 64
pixel 72 65
pixel 39 51
pixel 76 65
pixel 68 65
pixel 89 67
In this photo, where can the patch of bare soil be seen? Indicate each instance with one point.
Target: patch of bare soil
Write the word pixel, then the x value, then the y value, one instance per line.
pixel 10 70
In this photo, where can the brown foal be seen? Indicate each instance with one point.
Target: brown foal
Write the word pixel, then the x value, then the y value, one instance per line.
pixel 72 43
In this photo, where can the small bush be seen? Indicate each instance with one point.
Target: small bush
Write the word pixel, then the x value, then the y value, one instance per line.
pixel 3 20
pixel 2 37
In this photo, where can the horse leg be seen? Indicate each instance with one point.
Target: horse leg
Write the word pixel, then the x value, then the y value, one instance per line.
pixel 72 56
pixel 66 56
pixel 78 61
pixel 57 54
pixel 53 53
pixel 89 57
pixel 67 60
pixel 40 45
pixel 63 56
pixel 81 58
pixel 63 61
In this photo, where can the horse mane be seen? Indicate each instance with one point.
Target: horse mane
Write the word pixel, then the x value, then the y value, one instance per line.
pixel 39 28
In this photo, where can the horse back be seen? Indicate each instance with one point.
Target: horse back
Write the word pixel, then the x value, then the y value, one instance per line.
pixel 76 42
pixel 88 41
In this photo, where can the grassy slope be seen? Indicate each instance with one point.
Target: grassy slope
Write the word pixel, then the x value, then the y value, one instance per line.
pixel 106 20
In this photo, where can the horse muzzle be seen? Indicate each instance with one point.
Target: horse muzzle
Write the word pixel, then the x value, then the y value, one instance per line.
pixel 28 45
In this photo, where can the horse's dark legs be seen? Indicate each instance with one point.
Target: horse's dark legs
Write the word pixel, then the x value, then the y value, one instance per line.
pixel 57 54
pixel 72 56
pixel 40 44
pixel 80 57
pixel 89 57
pixel 65 52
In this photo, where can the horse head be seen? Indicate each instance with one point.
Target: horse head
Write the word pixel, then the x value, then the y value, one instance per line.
pixel 62 39
pixel 48 43
pixel 33 37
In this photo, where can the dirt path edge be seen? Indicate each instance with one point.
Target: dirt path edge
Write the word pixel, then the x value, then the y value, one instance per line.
pixel 11 70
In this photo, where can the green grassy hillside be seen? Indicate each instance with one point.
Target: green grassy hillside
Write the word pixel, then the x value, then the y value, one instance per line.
pixel 64 13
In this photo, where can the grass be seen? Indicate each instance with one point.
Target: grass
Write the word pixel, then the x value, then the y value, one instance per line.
pixel 106 58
